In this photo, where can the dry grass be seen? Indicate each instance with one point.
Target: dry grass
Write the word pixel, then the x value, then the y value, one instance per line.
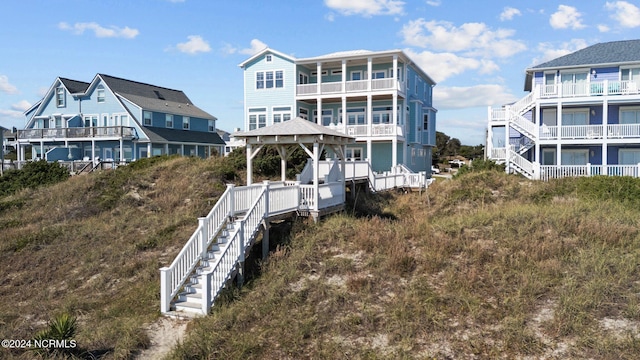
pixel 491 266
pixel 92 247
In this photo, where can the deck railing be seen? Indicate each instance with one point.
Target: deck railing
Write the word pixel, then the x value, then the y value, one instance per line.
pixel 593 88
pixel 561 171
pixel 336 87
pixel 77 132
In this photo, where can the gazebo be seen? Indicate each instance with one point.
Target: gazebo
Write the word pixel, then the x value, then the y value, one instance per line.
pixel 313 138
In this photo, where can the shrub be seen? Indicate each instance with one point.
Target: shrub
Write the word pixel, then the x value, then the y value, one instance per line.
pixel 32 175
pixel 480 165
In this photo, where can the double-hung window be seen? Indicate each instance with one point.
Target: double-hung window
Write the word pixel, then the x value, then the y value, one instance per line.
pixel 147 118
pixel 100 93
pixel 212 126
pixel 356 116
pixel 382 115
pixel 60 97
pixel 169 120
pixel 186 123
pixel 281 114
pixel 327 116
pixel 257 118
pixel 269 79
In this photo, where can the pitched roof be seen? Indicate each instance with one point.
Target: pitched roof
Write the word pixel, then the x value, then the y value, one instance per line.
pixel 74 86
pixel 615 52
pixel 158 134
pixel 264 51
pixel 155 98
pixel 297 126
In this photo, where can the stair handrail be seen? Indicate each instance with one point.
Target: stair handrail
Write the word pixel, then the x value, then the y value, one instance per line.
pixel 521 162
pixel 520 121
pixel 523 105
pixel 173 277
pixel 223 265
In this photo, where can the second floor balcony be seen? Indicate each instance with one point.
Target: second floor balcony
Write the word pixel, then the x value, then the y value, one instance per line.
pixel 125 132
pixel 588 88
pixel 567 132
pixel 355 86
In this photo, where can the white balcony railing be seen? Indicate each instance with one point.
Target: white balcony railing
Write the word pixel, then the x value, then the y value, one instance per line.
pixel 593 88
pixel 350 87
pixel 77 132
pixel 376 130
pixel 614 131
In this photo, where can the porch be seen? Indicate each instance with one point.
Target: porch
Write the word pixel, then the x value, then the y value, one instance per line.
pixel 349 87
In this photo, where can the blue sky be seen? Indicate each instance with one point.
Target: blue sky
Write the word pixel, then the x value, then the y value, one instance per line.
pixel 476 50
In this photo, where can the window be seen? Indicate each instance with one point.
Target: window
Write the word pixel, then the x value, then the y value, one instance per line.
pixel 303 78
pixel 257 118
pixel 354 154
pixel 575 118
pixel 550 83
pixel 336 72
pixel 259 80
pixel 268 58
pixel 629 156
pixel 382 115
pixel 303 113
pixel 379 74
pixel 356 116
pixel 281 114
pixel 186 123
pixel 60 97
pixel 356 75
pixel 265 79
pixel 327 116
pixel 630 116
pixel 212 125
pixel 100 93
pixel 169 120
pixel 630 74
pixel 425 122
pixel 324 73
pixel 574 83
pixel 147 118
pixel 90 120
pixel 574 157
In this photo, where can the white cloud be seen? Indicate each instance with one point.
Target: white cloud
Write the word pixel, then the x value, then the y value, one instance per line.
pixel 6 86
pixel 23 106
pixel 441 66
pixel 473 38
pixel 566 17
pixel 99 31
pixel 549 52
pixel 434 2
pixel 12 114
pixel 366 8
pixel 603 28
pixel 626 14
pixel 229 49
pixel 508 13
pixel 196 44
pixel 256 46
pixel 471 96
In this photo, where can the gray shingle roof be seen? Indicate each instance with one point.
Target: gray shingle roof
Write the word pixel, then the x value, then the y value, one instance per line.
pixel 155 98
pixel 75 86
pixel 158 134
pixel 627 51
pixel 297 126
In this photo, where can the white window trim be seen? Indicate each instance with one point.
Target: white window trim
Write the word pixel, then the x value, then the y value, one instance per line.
pixel 100 89
pixel 574 151
pixel 211 125
pixel 349 153
pixel 257 112
pixel 144 119
pixel 315 116
pixel 336 71
pixel 186 123
pixel 623 151
pixel 324 73
pixel 275 112
pixel 264 79
pixel 62 102
pixel 168 121
pixel 268 58
pixel 303 75
pixel 356 72
pixel 304 116
pixel 383 71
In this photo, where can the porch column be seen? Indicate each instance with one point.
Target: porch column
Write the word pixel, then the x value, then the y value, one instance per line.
pixel 394 119
pixel 42 154
pixel 605 134
pixel 559 138
pixel 249 164
pixel 343 121
pixel 121 151
pixel 149 150
pixel 344 78
pixel 537 134
pixel 369 72
pixel 507 148
pixel 489 140
pixel 319 82
pixel 166 148
pixel 319 111
pixel 343 165
pixel 93 150
pixel 369 114
pixel 316 171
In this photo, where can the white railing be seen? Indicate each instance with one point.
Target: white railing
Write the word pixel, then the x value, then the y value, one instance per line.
pixel 357 85
pixel 581 131
pixel 522 163
pixel 556 172
pixel 623 130
pixel 77 132
pixel 384 84
pixel 350 86
pixel 498 114
pixel 330 194
pixel 522 123
pixel 521 106
pixel 548 132
pixel 332 87
pixel 593 88
pixel 498 153
pixel 306 89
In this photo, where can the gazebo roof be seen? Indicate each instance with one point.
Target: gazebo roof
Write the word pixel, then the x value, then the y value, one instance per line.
pixel 295 131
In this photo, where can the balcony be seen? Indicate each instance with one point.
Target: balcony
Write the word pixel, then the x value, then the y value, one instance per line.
pixel 614 131
pixel 587 89
pixel 77 133
pixel 376 130
pixel 355 86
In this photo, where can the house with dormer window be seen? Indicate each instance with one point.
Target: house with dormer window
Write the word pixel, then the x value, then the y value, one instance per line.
pixel 382 98
pixel 581 116
pixel 115 119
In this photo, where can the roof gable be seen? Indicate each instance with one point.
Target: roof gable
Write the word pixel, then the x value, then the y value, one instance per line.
pixel 615 52
pixel 74 86
pixel 263 52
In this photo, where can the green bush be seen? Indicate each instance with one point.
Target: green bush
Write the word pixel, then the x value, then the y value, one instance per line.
pixel 480 165
pixel 33 174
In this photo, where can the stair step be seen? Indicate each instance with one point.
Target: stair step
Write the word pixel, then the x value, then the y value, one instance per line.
pixel 187 306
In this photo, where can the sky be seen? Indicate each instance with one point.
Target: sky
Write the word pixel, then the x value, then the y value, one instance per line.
pixel 476 51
